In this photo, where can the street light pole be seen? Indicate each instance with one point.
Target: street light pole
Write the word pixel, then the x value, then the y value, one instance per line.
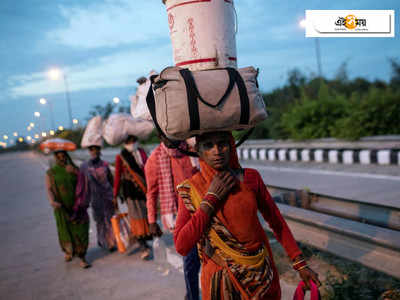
pixel 44 102
pixel 55 74
pixel 303 24
pixel 68 99
pixel 318 53
pixel 53 124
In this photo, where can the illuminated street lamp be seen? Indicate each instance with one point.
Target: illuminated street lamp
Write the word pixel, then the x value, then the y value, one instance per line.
pixel 31 124
pixel 37 114
pixel 36 136
pixel 52 132
pixel 28 138
pixel 75 121
pixel 60 128
pixel 116 100
pixel 21 139
pixel 5 137
pixel 55 74
pixel 44 134
pixel 15 133
pixel 42 101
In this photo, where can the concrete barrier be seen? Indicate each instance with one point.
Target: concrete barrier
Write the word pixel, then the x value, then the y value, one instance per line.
pixel 372 150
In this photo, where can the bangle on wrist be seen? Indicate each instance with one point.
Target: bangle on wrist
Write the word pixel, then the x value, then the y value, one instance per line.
pixel 215 195
pixel 300 265
pixel 301 268
pixel 298 262
pixel 208 204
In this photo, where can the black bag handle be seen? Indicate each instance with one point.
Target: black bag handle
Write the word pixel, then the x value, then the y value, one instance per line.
pixel 193 94
pixel 191 86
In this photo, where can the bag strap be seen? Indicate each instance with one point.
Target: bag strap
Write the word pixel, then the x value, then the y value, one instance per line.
pixel 151 104
pixel 192 95
pixel 244 98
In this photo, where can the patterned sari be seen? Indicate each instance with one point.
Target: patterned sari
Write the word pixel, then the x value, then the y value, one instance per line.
pixel 134 192
pixel 244 274
pixel 95 188
pixel 73 235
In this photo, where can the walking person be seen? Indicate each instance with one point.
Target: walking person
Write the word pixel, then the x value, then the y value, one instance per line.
pixel 129 173
pixel 165 168
pixel 95 188
pixel 218 211
pixel 73 233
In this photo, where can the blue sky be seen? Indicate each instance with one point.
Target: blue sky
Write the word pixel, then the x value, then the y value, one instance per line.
pixel 104 46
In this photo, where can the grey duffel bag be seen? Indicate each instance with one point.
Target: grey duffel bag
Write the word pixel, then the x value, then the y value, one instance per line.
pixel 184 103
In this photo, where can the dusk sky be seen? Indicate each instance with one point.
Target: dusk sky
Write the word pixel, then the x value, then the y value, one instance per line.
pixel 104 46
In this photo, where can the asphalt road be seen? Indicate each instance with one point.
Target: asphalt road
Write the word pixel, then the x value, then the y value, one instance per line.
pixel 31 262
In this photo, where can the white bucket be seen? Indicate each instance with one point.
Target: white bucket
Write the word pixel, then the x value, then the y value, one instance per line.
pixel 203 33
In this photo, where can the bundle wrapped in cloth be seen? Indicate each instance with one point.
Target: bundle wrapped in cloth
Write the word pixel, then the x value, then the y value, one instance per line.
pixel 184 103
pixel 118 126
pixel 139 108
pixel 93 133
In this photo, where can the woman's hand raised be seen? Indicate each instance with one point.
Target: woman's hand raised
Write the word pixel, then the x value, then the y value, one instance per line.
pixel 222 184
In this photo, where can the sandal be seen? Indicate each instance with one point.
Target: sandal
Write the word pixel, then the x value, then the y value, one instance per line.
pixel 84 264
pixel 145 254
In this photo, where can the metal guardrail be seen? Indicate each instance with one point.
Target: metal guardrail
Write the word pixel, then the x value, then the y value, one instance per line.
pixel 372 246
pixel 366 233
pixel 368 213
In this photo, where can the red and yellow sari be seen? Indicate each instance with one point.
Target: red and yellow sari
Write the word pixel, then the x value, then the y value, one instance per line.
pixel 236 256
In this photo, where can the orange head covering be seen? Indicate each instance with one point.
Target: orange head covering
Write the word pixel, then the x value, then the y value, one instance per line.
pixel 208 173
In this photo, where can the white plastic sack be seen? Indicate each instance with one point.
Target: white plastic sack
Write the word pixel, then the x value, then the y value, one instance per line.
pixel 139 108
pixel 93 133
pixel 118 126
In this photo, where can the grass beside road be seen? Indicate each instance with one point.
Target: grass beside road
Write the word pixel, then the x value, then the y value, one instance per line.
pixel 342 279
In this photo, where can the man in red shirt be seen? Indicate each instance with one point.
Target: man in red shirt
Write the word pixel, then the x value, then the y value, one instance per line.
pixel 164 170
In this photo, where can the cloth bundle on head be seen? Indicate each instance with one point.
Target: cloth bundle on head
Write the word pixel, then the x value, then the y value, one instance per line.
pixel 93 133
pixel 118 126
pixel 138 101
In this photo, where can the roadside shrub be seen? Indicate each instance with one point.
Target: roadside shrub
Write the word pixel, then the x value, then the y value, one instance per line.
pixel 374 113
pixel 315 118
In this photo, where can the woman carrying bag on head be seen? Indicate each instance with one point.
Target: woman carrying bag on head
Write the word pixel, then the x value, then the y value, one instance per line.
pixel 95 188
pixel 129 173
pixel 73 232
pixel 218 211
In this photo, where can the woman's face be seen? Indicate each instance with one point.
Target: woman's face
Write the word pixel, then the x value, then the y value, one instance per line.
pixel 61 158
pixel 94 152
pixel 214 148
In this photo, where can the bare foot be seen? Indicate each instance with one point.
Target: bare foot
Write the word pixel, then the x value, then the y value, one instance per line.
pixel 67 257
